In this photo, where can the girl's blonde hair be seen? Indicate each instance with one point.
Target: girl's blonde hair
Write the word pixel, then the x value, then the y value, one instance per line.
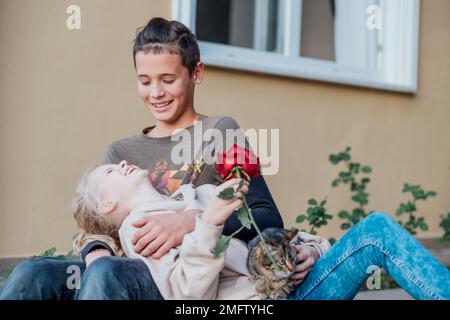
pixel 93 225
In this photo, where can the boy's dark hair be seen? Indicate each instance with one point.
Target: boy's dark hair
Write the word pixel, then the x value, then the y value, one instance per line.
pixel 161 35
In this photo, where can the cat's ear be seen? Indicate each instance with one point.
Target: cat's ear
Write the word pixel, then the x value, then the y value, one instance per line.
pixel 291 234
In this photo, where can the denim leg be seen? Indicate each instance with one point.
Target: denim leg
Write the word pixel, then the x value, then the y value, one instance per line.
pixel 380 241
pixel 117 278
pixel 41 278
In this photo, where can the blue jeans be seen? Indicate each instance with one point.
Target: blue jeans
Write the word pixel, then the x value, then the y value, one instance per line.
pixel 107 278
pixel 377 241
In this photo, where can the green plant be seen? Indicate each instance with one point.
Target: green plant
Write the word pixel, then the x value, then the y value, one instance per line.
pixel 414 222
pixel 316 215
pixel 357 185
pixel 445 224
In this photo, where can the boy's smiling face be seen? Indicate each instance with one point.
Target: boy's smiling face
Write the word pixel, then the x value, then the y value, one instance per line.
pixel 165 86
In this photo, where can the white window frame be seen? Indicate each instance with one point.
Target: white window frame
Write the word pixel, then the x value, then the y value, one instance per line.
pixel 289 63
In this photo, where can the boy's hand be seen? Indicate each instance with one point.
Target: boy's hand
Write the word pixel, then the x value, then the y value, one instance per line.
pixel 307 257
pixel 158 234
pixel 218 210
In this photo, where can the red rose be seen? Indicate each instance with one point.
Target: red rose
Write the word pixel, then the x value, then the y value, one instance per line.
pixel 237 156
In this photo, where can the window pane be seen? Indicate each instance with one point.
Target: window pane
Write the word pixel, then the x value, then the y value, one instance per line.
pixel 243 23
pixel 317 29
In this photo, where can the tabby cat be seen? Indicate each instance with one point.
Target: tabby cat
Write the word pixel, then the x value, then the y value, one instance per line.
pixel 281 243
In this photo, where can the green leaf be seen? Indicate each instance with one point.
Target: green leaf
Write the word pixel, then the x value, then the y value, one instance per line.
pixel 313 219
pixel 312 202
pixel 244 218
pixel 221 245
pixel 410 207
pixel 345 226
pixel 322 203
pixel 431 194
pixel 423 226
pixel 300 218
pixel 334 159
pixel 335 183
pixel 241 183
pixel 48 253
pixel 366 169
pixel 400 210
pixel 344 175
pixel 358 212
pixel 344 214
pixel 345 157
pixel 418 194
pixel 365 180
pixel 226 194
pixel 406 188
pixel 358 199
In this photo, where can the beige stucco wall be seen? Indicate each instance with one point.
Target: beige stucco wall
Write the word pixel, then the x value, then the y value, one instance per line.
pixel 64 95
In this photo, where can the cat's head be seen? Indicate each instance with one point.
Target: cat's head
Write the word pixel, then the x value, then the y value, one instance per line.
pixel 281 245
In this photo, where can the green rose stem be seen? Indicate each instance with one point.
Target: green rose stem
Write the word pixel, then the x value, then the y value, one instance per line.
pixel 252 221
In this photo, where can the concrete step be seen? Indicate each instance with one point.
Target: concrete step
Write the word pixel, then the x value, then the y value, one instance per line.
pixel 386 294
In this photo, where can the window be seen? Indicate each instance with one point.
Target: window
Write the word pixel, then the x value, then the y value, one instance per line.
pixel 372 43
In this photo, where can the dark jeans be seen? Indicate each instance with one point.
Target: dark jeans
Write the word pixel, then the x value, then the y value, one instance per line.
pixel 107 278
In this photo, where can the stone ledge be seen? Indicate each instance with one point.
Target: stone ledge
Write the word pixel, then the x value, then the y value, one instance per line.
pixel 386 294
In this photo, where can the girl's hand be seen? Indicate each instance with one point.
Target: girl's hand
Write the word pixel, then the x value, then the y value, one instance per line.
pixel 219 210
pixel 307 257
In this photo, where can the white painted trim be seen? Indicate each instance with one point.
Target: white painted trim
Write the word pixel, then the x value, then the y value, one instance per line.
pixel 273 63
pixel 415 47
pixel 292 33
pixel 260 25
pixel 184 11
